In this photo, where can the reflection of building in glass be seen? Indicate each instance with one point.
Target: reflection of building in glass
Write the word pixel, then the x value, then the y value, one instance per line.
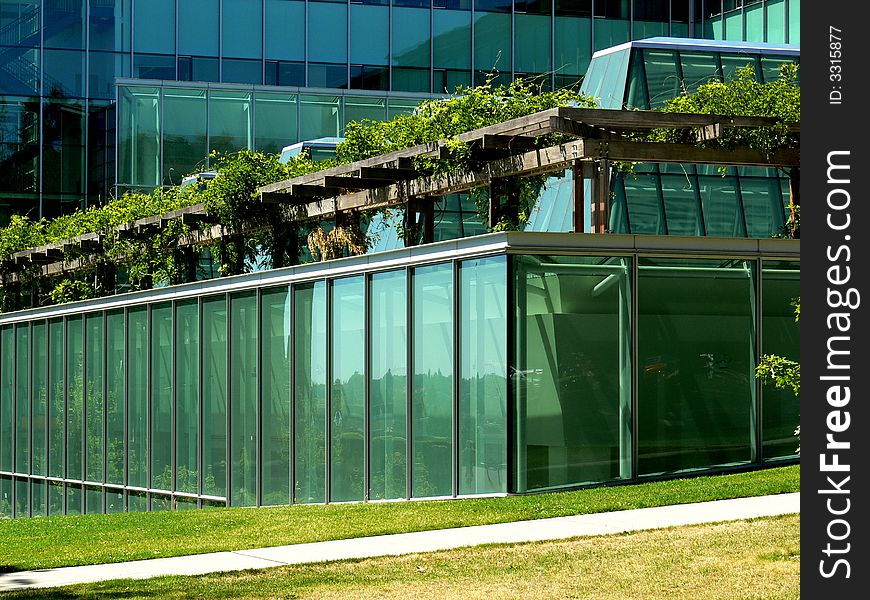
pixel 64 118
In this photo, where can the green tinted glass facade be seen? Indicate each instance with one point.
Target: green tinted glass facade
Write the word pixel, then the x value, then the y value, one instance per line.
pixel 451 369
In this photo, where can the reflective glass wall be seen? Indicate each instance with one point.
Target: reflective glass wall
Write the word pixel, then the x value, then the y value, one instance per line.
pixel 59 61
pixel 335 389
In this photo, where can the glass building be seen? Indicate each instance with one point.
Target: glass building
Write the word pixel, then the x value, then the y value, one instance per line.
pixel 100 96
pixel 504 363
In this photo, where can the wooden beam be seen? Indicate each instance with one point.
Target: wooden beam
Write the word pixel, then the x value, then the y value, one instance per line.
pixel 387 174
pixel 353 183
pixel 661 152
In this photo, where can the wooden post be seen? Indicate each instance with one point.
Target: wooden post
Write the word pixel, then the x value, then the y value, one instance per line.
pixel 600 195
pixel 495 187
pixel 428 210
pixel 579 211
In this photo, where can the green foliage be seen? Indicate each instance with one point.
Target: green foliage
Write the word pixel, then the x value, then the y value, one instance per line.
pixel 744 96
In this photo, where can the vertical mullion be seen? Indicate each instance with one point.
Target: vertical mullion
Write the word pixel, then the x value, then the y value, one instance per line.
pixel 126 402
pixel 149 442
pixel 409 387
pixel 367 396
pixel 259 383
pixel 64 470
pixel 105 432
pixel 329 352
pixel 457 370
pixel 84 425
pixel 47 379
pixel 229 397
pixel 291 290
pixel 199 402
pixel 173 395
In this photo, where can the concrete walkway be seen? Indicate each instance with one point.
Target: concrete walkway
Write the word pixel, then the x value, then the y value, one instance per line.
pixel 407 543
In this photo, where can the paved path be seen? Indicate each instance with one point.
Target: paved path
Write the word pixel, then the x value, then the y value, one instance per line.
pixel 407 543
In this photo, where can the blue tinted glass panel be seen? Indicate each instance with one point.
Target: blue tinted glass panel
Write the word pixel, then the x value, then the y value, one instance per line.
pixel 359 108
pixel 198 33
pixel 154 26
pixel 74 392
pixel 139 136
pixel 532 43
pixel 794 22
pixel 137 397
pixel 285 30
pixel 410 37
pixel 754 16
pixel 161 397
pixel 244 376
pixel 721 206
pixel 698 69
pixel 104 68
pixel 320 116
pixel 187 396
pixel 240 70
pixel 116 364
pixel 662 76
pixel 110 25
pixel 214 396
pixel 276 343
pixel 242 24
pixel 452 39
pixel 153 66
pixel 369 36
pixel 610 32
pixel 65 24
pixel 327 32
pixel 681 204
pixel 762 205
pixel 492 42
pixel 20 20
pixel 184 134
pixel 573 45
pixel 63 73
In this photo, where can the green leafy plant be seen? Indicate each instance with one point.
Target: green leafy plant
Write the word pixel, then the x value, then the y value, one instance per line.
pixel 783 373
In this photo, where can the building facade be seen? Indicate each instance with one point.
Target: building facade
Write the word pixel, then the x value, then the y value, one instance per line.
pixel 503 363
pixel 92 101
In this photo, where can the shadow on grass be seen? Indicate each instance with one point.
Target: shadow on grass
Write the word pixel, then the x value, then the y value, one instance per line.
pixel 61 594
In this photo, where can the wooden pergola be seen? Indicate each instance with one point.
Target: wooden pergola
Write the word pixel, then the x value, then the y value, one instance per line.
pixel 510 150
pixel 499 154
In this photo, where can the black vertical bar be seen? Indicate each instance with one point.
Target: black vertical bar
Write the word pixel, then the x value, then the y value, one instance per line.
pixel 291 290
pixel 511 316
pixel 173 417
pixel 126 402
pixel 409 389
pixel 229 396
pixel 259 383
pixel 327 489
pixel 149 442
pixel 367 387
pixel 634 284
pixel 105 356
pixel 457 370
pixel 200 442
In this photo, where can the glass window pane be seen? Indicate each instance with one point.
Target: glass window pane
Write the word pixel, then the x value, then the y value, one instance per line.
pixel 137 502
pixel 389 377
pixel 309 383
pixel 114 501
pixel 698 69
pixel 327 32
pixel 230 121
pixel 38 506
pixel 320 116
pixel 5 496
pixel 22 399
pixel 650 18
pixel 161 396
pixel 20 20
pixel 762 205
pixel 573 45
pixel 410 37
pixel 754 16
pixel 154 26
pixel 7 397
pixel 22 497
pixel 154 66
pixel 115 375
pixel 214 396
pixel 696 384
pixel 22 76
pixel 573 371
pixel 184 133
pixel 67 21
pixel 451 39
pixel 94 500
pixel 732 62
pixel 347 390
pixel 74 392
pixel 103 68
pixel 276 339
pixel 94 403
pixel 432 389
pixel 357 109
pixel 662 77
pixel 243 399
pixel 532 43
pixel 242 25
pixel 285 30
pixel 492 42
pixel 63 73
pixel 241 70
pixel 610 32
pixel 794 22
pixel 198 33
pixel 780 335
pixel 137 396
pixel 327 75
pixel 681 204
pixel 276 121
pixel 644 204
pixel 109 26
pixel 139 136
pixel 722 215
pixel 483 370
pixel 186 396
pixel 55 499
pixel 73 499
pixel 55 399
pixel 369 35
pixel 39 390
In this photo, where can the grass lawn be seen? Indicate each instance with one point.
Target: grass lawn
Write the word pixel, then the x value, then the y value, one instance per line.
pixel 91 539
pixel 740 559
